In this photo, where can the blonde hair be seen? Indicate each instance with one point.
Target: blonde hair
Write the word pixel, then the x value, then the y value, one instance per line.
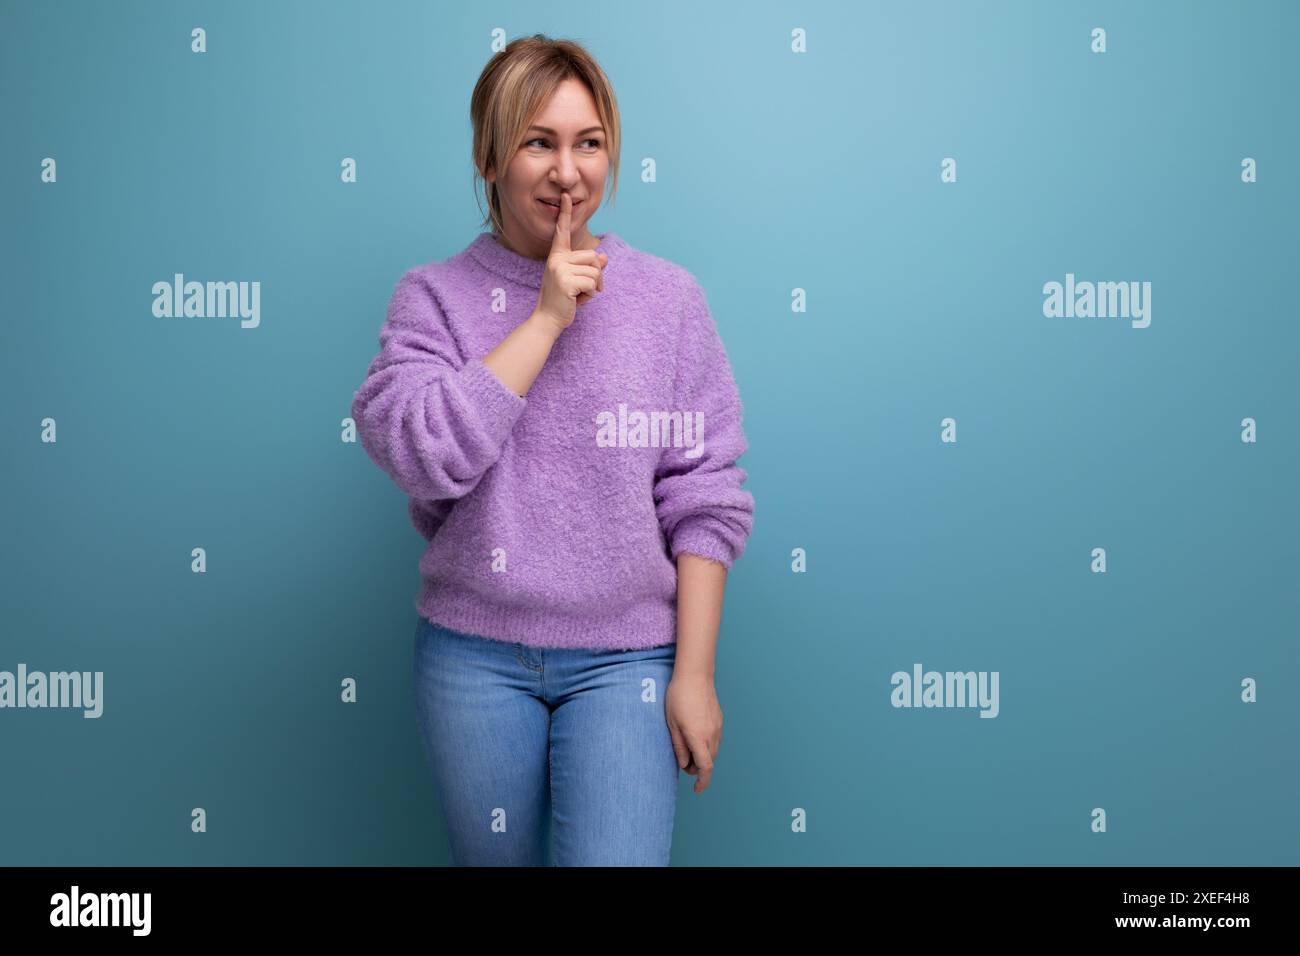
pixel 513 87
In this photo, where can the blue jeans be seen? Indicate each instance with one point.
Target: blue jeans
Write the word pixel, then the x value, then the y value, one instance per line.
pixel 530 745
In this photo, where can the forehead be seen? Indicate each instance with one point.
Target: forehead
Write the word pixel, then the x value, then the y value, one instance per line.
pixel 570 108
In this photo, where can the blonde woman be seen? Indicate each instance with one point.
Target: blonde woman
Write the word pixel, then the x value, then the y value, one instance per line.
pixel 559 407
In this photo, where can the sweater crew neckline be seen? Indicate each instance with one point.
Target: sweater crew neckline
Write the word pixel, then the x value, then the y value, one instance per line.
pixel 496 258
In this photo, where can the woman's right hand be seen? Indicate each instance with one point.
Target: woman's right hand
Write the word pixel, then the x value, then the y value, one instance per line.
pixel 572 278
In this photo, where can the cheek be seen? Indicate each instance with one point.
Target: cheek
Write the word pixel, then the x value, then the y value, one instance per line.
pixel 523 176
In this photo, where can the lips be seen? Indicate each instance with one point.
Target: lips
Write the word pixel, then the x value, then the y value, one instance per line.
pixel 556 202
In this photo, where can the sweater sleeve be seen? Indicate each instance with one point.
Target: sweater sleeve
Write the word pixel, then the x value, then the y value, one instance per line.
pixel 698 499
pixel 433 421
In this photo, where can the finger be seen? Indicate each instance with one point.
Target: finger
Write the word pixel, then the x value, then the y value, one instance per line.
pixel 703 763
pixel 589 287
pixel 680 748
pixel 563 223
pixel 580 283
pixel 700 752
pixel 702 784
pixel 600 277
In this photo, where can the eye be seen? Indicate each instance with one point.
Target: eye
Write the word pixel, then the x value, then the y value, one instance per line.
pixel 541 139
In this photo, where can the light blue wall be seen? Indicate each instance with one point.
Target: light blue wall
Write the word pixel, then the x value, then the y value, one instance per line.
pixel 776 171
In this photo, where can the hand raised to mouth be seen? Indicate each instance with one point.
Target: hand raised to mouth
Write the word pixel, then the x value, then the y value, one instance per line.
pixel 572 277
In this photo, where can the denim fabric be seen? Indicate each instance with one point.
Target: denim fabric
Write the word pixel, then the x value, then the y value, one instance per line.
pixel 536 749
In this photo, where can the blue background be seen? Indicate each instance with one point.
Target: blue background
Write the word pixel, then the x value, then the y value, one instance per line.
pixel 776 171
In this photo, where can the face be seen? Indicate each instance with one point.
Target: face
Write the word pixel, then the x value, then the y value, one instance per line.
pixel 565 149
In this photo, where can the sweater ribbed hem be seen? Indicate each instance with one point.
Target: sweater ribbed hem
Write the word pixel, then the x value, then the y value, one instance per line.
pixel 650 623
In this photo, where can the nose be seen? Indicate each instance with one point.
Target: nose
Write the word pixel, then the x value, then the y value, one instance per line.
pixel 564 173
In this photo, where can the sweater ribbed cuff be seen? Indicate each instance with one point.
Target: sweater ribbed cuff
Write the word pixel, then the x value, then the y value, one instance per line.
pixel 699 535
pixel 501 407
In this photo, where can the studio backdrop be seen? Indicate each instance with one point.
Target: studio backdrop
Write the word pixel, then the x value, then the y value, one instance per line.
pixel 1007 291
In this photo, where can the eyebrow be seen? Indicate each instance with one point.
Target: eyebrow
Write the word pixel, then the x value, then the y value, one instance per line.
pixel 589 129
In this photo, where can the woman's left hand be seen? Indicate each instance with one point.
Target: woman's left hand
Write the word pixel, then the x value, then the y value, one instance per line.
pixel 695 721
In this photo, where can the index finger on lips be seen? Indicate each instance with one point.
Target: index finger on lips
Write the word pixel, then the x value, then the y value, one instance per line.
pixel 563 223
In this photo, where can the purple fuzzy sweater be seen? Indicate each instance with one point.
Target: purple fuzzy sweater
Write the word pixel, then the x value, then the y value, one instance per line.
pixel 554 519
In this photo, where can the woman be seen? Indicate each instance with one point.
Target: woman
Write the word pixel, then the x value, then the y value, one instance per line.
pixel 561 411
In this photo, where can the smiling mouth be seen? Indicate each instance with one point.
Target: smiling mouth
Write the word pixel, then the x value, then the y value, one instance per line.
pixel 556 203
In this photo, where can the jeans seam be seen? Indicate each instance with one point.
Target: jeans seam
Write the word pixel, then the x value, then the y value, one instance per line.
pixel 550 783
pixel 520 652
